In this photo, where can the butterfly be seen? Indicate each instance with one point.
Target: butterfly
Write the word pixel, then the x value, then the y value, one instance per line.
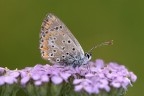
pixel 58 45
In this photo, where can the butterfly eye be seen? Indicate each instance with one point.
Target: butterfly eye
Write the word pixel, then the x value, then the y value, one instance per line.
pixel 88 55
pixel 53 46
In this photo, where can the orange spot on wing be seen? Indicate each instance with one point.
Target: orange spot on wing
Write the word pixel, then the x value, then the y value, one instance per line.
pixel 45 55
pixel 47 23
pixel 45 42
pixel 44 48
pixel 46 26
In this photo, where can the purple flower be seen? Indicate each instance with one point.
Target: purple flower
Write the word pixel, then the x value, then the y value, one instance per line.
pixel 56 80
pixel 98 76
pixel 84 84
pixel 24 80
pixel 132 76
pixel 38 83
pixel 38 74
pixel 93 78
pixel 2 71
pixel 2 82
pixel 9 76
pixel 59 74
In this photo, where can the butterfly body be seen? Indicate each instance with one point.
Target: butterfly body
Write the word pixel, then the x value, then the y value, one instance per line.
pixel 58 45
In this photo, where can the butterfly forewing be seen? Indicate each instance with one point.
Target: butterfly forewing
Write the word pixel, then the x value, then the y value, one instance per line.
pixel 57 43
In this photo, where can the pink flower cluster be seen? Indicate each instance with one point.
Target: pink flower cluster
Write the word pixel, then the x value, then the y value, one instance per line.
pixel 91 78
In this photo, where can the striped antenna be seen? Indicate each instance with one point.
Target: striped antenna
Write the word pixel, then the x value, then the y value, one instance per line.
pixel 102 44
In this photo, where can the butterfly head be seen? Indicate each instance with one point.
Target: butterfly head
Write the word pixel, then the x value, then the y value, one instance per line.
pixel 87 57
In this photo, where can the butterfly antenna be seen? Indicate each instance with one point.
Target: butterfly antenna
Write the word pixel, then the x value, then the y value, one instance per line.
pixel 102 44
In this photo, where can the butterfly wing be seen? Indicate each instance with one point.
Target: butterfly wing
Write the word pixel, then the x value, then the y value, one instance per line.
pixel 57 43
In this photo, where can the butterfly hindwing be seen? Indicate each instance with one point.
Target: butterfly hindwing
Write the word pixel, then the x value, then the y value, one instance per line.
pixel 57 43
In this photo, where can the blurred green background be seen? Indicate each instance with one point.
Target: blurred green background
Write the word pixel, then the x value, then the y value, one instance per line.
pixel 91 21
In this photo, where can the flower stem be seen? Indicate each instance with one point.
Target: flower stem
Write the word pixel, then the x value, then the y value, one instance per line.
pixel 9 90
